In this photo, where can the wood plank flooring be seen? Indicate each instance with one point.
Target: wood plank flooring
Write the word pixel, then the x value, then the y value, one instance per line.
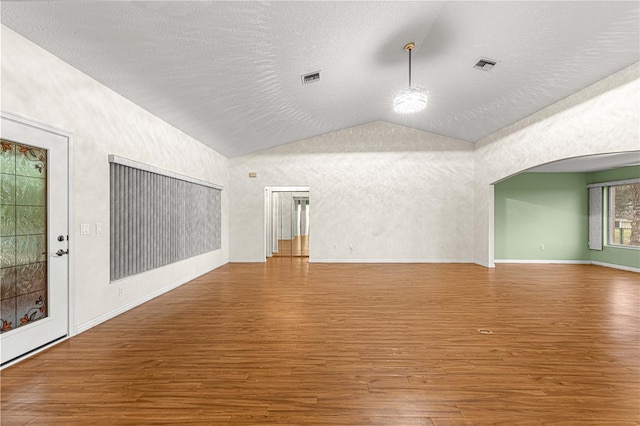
pixel 289 342
pixel 297 247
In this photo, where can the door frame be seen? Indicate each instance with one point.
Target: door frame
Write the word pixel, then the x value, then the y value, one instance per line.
pixel 71 328
pixel 268 190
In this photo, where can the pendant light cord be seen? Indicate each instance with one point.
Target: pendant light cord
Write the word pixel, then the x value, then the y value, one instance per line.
pixel 410 67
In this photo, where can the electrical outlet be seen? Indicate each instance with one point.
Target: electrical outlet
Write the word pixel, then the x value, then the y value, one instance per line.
pixel 119 291
pixel 541 246
pixel 85 229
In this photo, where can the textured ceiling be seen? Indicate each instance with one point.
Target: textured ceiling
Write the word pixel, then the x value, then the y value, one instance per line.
pixel 228 73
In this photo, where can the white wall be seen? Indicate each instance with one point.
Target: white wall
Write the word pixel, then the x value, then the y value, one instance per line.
pixel 38 85
pixel 603 118
pixel 380 192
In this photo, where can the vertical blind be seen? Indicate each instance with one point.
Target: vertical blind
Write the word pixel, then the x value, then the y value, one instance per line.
pixel 595 218
pixel 159 217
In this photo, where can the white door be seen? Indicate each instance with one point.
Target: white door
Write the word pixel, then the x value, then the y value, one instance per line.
pixel 33 237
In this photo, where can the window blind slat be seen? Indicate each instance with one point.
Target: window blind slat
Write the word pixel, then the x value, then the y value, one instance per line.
pixel 121 225
pixel 126 214
pixel 135 223
pixel 112 207
pixel 145 221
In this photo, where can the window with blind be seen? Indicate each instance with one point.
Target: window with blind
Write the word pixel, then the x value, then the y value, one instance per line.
pixel 622 213
pixel 159 217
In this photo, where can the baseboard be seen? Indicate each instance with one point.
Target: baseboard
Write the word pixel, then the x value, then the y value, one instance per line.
pixel 614 266
pixel 122 309
pixel 561 262
pixel 485 264
pixel 390 260
pixel 245 260
pixel 570 262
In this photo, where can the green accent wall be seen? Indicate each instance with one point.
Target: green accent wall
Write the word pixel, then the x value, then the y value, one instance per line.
pixel 533 210
pixel 622 173
pixel 608 254
pixel 551 209
pixel 617 256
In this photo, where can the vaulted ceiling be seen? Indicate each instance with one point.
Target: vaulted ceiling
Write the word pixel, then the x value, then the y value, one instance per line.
pixel 229 73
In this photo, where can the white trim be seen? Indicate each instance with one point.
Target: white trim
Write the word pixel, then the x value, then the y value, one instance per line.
pixel 614 183
pixel 157 170
pixel 390 261
pixel 543 261
pixel 71 283
pixel 614 266
pixel 266 213
pixel 287 188
pixel 81 328
pixel 568 262
pixel 486 265
pixel 71 242
pixel 247 260
pixel 266 222
pixel 491 240
pixel 620 246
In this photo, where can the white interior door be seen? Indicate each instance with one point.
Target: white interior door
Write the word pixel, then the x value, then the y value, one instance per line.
pixel 34 259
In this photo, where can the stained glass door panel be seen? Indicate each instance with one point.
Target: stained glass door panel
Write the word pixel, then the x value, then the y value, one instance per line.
pixel 33 213
pixel 23 230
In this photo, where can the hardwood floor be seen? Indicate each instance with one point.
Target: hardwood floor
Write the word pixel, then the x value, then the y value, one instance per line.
pixel 298 247
pixel 289 342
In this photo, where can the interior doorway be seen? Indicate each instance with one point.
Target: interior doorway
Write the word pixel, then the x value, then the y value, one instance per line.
pixel 287 225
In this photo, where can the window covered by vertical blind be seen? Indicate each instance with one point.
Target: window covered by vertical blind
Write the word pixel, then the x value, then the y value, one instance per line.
pixel 595 218
pixel 159 217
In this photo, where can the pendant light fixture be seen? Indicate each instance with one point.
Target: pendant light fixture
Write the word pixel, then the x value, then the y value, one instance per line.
pixel 411 99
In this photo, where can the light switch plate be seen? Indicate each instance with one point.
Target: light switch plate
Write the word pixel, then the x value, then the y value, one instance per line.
pixel 98 228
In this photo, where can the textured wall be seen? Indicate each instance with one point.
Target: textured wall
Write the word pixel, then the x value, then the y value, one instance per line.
pixel 378 192
pixel 38 85
pixel 602 118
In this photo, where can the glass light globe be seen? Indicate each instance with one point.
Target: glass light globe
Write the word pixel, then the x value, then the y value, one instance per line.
pixel 410 100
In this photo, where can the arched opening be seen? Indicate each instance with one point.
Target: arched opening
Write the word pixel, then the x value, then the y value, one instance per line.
pixel 541 215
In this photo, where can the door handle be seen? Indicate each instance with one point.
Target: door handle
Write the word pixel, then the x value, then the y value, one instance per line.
pixel 62 252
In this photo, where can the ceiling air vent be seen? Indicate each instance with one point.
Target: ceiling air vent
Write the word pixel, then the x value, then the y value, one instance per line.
pixel 485 64
pixel 311 77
